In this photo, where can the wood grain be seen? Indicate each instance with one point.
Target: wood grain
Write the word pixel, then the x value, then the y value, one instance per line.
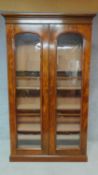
pixel 43 115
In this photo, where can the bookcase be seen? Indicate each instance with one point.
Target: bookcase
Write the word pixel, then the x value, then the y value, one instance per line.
pixel 48 78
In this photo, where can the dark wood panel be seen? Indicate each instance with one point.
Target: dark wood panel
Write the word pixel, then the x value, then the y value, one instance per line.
pixel 68 111
pixel 69 74
pixel 36 92
pixel 59 73
pixel 28 93
pixel 32 111
pixel 68 93
pixel 28 73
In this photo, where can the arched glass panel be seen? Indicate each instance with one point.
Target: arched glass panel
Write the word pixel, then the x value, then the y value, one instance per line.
pixel 28 58
pixel 69 74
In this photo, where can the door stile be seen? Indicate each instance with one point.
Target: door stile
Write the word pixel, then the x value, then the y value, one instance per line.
pixel 52 93
pixel 45 93
pixel 85 88
pixel 11 88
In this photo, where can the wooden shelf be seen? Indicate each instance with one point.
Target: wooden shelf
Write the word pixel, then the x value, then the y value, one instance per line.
pixel 60 74
pixel 28 107
pixel 37 119
pixel 60 107
pixel 68 127
pixel 67 93
pixel 27 78
pixel 27 88
pixel 58 88
pixel 28 73
pixel 29 127
pixel 69 84
pixel 38 137
pixel 69 88
pixel 28 93
pixel 68 73
pixel 26 145
pixel 37 128
pixel 29 137
pixel 74 146
pixel 68 103
pixel 28 119
pixel 62 120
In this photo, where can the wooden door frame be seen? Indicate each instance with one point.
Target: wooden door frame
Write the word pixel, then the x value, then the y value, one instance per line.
pixel 85 32
pixel 12 31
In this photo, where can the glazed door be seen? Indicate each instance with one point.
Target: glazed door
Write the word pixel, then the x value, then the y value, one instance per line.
pixel 68 73
pixel 28 88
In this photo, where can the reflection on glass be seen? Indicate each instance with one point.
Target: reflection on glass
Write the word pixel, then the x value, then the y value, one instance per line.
pixel 28 51
pixel 69 52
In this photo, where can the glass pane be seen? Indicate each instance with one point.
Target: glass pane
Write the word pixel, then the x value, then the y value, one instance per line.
pixel 69 52
pixel 28 51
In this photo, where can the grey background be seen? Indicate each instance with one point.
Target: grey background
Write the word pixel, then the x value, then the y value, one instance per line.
pixel 49 168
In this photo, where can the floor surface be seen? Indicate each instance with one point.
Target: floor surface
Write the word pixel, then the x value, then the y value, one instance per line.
pixel 10 168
